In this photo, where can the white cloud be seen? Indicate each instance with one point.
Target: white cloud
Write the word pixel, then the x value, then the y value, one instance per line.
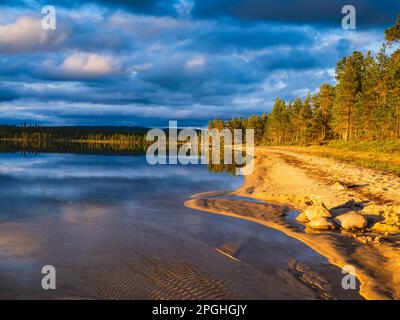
pixel 26 35
pixel 195 62
pixel 89 64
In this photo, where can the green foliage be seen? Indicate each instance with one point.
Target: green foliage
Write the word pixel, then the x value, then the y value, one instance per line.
pixel 393 33
pixel 256 122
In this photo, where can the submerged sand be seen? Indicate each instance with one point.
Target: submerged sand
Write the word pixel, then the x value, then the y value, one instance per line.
pixel 288 179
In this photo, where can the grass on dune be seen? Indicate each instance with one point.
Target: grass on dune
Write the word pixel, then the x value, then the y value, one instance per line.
pixel 366 162
pixel 384 146
pixel 379 155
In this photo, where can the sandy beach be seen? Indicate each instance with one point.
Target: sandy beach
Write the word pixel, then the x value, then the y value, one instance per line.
pixel 289 178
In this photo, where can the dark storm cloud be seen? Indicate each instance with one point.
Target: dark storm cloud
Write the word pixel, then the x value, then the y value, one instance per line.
pixel 13 3
pixel 163 7
pixel 290 59
pixel 7 95
pixel 153 7
pixel 370 13
pixel 232 38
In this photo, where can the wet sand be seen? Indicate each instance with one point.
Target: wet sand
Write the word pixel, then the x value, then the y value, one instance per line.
pixel 99 257
pixel 289 180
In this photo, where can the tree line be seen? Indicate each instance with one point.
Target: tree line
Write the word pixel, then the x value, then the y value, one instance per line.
pixel 363 105
pixel 36 138
pixel 71 133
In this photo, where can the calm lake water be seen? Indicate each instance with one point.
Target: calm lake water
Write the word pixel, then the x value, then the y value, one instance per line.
pixel 116 228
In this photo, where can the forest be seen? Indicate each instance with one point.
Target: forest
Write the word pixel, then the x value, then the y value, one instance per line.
pixel 92 139
pixel 73 133
pixel 364 105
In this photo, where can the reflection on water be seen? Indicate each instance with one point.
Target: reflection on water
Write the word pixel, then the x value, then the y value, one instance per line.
pixel 50 146
pixel 115 227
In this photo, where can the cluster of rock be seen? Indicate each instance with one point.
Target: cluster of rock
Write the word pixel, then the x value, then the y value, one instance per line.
pixel 369 239
pixel 318 217
pixel 389 213
pixel 381 219
pixel 389 218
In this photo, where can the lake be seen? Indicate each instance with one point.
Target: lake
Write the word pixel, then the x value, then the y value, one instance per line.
pixel 115 227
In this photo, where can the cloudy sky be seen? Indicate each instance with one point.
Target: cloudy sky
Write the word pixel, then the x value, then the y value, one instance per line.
pixel 144 62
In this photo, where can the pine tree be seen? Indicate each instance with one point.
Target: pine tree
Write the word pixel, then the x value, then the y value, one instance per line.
pixel 278 122
pixel 305 119
pixel 392 34
pixel 348 76
pixel 367 100
pixel 295 119
pixel 322 112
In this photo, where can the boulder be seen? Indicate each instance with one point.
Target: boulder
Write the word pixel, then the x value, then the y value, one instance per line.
pixel 352 220
pixel 322 224
pixel 317 210
pixel 384 228
pixel 339 186
pixel 302 217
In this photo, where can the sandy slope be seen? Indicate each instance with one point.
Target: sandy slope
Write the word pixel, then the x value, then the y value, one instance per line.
pixel 288 171
pixel 287 177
